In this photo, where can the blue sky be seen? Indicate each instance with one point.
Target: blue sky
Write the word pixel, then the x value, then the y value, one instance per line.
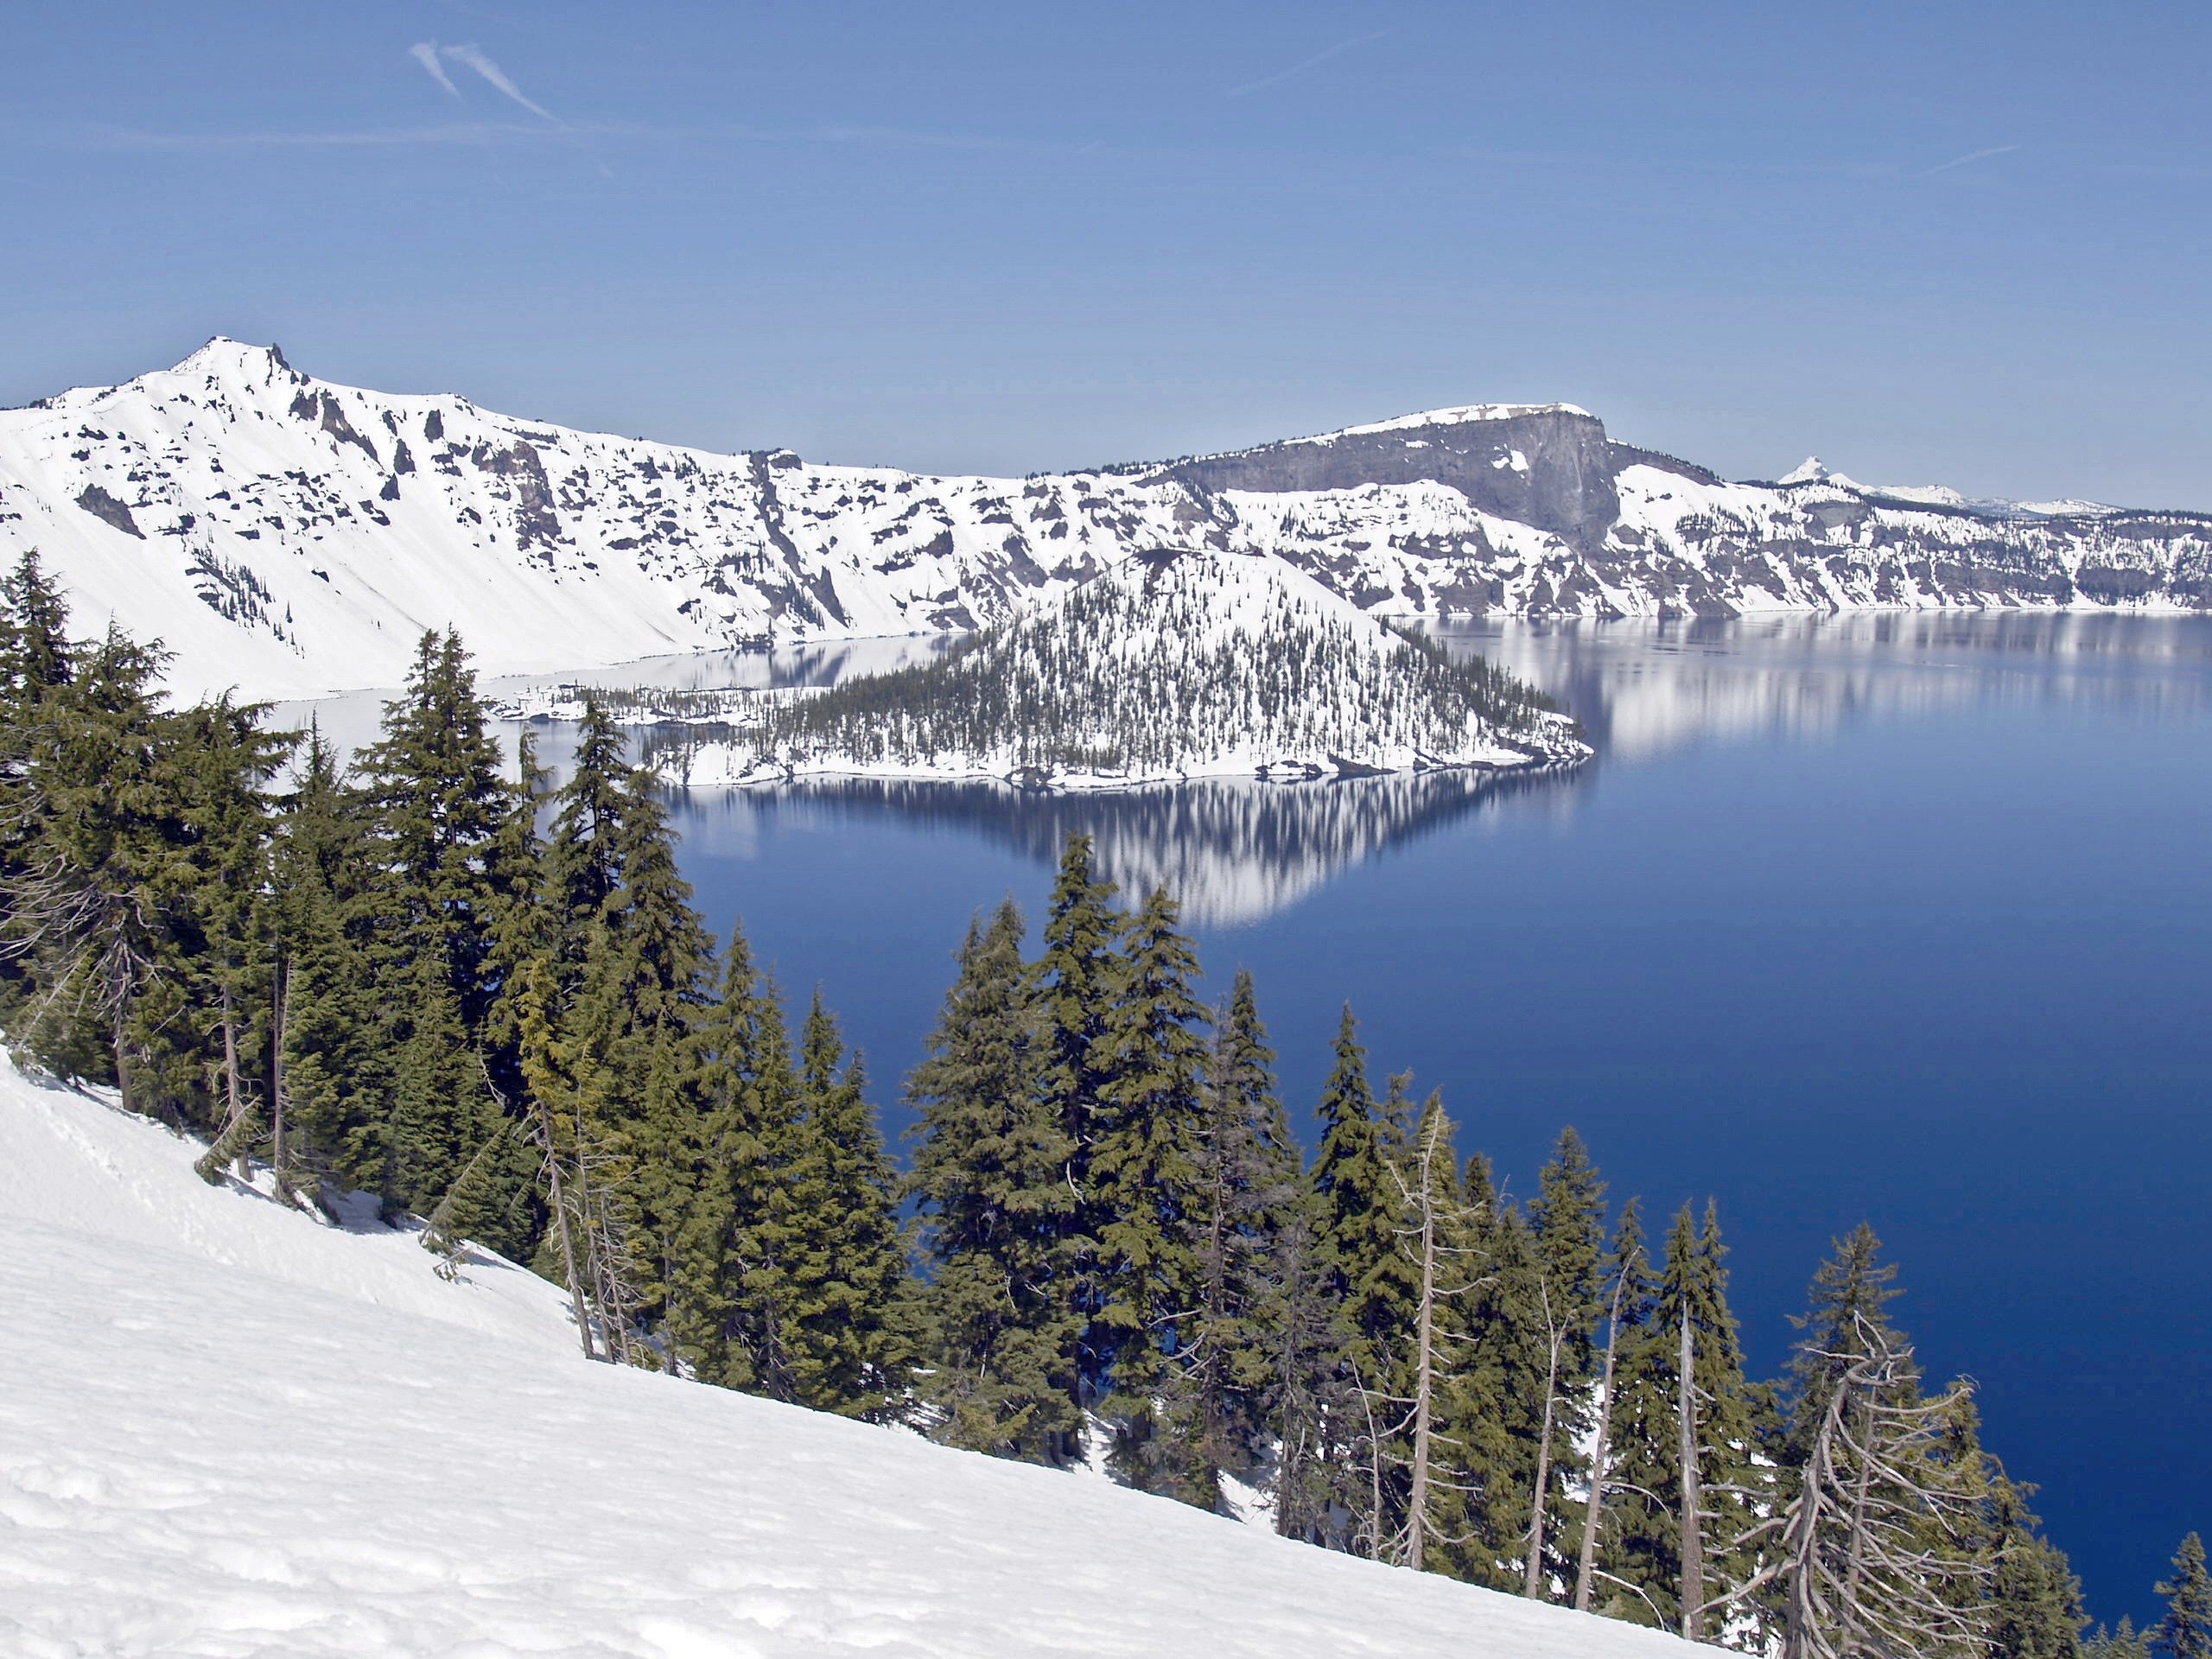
pixel 1960 242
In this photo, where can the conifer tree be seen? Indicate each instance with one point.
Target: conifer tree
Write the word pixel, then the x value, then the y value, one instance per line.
pixel 1307 1398
pixel 2185 1632
pixel 1144 1171
pixel 2034 1599
pixel 34 661
pixel 1717 1486
pixel 1569 1219
pixel 1250 1175
pixel 332 1071
pixel 1628 1316
pixel 1360 1215
pixel 2122 1642
pixel 836 1239
pixel 222 760
pixel 728 1311
pixel 991 1167
pixel 1074 980
pixel 436 805
pixel 1849 1304
pixel 99 888
pixel 1498 1394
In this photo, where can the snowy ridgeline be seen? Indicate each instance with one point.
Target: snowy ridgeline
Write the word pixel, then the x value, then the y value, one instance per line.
pixel 286 536
pixel 1166 666
pixel 228 1429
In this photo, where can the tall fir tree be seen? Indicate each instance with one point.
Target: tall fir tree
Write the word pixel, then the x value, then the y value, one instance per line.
pixel 1568 1220
pixel 990 1163
pixel 1249 1176
pixel 2185 1632
pixel 1849 1302
pixel 846 1311
pixel 1075 975
pixel 2034 1601
pixel 1146 1176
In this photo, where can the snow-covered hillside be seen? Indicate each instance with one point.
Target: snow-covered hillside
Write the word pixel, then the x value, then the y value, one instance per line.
pixel 287 536
pixel 227 1430
pixel 1164 667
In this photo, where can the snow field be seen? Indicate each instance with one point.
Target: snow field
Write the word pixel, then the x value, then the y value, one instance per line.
pixel 229 1432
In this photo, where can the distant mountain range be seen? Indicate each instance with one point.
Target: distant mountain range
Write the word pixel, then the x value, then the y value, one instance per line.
pixel 286 537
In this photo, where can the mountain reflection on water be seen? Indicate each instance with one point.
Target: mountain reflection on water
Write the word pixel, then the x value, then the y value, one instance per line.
pixel 1238 850
pixel 1641 688
pixel 1233 850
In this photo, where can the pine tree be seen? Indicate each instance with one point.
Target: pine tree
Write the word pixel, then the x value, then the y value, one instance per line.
pixel 36 659
pixel 2034 1607
pixel 990 1169
pixel 728 1307
pixel 435 806
pixel 1628 1312
pixel 100 888
pixel 1498 1397
pixel 838 1244
pixel 221 761
pixel 1307 1398
pixel 1568 1217
pixel 334 1072
pixel 1848 1308
pixel 2185 1632
pixel 1359 1204
pixel 2124 1641
pixel 1250 1175
pixel 1144 1171
pixel 1074 980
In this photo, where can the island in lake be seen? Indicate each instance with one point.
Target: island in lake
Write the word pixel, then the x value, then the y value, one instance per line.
pixel 1165 667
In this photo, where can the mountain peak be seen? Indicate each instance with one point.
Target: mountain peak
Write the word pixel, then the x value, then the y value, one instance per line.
pixel 222 355
pixel 1811 470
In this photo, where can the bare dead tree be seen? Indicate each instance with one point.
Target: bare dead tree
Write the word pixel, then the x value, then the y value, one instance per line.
pixel 1556 1341
pixel 1692 1530
pixel 1594 1510
pixel 1871 1552
pixel 1424 1241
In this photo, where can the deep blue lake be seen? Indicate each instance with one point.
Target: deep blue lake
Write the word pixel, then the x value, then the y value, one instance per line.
pixel 1906 918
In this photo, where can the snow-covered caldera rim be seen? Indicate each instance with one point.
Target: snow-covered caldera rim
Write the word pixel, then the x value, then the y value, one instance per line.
pixel 1814 472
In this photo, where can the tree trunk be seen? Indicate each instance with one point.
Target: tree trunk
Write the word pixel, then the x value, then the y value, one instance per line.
pixel 1593 1512
pixel 1424 1375
pixel 1693 1539
pixel 278 1170
pixel 562 1230
pixel 233 1102
pixel 1532 1578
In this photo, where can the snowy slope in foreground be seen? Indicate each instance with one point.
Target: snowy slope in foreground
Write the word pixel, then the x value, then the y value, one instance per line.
pixel 227 1431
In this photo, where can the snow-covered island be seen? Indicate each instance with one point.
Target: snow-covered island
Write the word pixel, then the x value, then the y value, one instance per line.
pixel 1167 666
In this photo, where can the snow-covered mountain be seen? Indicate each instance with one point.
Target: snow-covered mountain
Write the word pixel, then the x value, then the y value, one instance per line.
pixel 1164 667
pixel 1813 470
pixel 287 536
pixel 228 1430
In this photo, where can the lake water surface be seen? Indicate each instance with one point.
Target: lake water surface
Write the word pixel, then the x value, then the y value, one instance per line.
pixel 1906 918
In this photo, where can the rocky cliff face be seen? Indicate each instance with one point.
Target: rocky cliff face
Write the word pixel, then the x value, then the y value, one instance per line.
pixel 1548 466
pixel 287 536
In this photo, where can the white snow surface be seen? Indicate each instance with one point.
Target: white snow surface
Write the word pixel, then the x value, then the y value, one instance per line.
pixel 228 1432
pixel 286 537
